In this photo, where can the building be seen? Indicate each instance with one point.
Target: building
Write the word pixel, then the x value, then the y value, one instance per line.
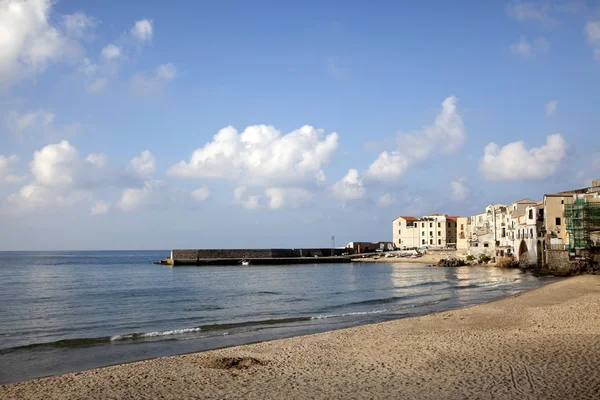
pixel 463 226
pixel 582 221
pixel 488 231
pixel 554 219
pixel 405 232
pixel 436 231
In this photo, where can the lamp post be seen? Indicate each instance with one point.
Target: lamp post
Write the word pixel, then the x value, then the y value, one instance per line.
pixel 332 245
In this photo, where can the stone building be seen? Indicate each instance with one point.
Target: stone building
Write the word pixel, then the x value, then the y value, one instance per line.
pixel 488 231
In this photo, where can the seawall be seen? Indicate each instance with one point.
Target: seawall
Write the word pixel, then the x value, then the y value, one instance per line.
pixel 258 256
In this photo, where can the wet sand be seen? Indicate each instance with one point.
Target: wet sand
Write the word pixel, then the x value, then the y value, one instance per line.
pixel 543 344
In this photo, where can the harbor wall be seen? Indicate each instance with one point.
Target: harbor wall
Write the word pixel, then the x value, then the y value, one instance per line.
pixel 199 254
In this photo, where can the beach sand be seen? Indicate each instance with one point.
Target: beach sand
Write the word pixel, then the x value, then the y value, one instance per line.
pixel 431 259
pixel 543 344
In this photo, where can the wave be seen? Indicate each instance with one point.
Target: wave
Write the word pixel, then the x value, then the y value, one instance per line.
pixel 94 341
pixel 486 284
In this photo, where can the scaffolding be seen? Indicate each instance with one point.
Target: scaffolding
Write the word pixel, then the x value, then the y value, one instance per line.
pixel 582 220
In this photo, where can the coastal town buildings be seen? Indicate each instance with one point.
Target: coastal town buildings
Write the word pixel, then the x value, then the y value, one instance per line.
pixel 540 233
pixel 436 231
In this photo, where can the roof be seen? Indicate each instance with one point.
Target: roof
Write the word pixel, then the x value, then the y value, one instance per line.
pixel 408 218
pixel 452 218
pixel 525 201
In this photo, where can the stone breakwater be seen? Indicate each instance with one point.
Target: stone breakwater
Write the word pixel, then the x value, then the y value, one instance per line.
pixel 257 256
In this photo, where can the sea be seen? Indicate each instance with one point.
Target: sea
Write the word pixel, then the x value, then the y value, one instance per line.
pixel 68 311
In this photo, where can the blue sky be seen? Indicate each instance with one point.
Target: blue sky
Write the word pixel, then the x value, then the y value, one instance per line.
pixel 334 117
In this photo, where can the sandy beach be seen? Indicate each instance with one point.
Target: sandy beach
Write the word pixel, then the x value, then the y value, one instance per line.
pixel 429 258
pixel 543 344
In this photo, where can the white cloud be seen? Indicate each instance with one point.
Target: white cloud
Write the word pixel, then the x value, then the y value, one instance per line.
pixel 29 42
pixel 350 187
pixel 530 50
pixel 34 120
pixel 54 165
pixel 6 164
pixel 134 198
pixel 445 135
pixel 460 190
pixel 385 200
pixel 249 202
pixel 592 32
pixel 145 163
pixel 98 160
pixel 201 193
pixel 291 197
pixel 514 162
pixel 388 166
pixel 531 11
pixel 261 155
pixel 147 86
pixel 60 178
pixel 40 123
pixel 142 30
pixel 111 52
pixel 551 107
pixel 77 25
pixel 100 208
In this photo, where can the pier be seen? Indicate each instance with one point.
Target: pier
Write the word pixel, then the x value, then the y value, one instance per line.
pixel 206 257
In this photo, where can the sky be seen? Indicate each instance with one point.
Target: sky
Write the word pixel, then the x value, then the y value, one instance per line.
pixel 264 124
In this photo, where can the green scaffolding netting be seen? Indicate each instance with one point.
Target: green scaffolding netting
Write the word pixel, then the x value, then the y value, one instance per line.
pixel 582 218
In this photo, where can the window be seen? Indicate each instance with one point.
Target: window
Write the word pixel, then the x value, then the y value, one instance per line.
pixel 562 202
pixel 423 225
pixel 558 221
pixel 439 241
pixel 439 233
pixel 462 227
pixel 430 241
pixel 503 232
pixel 430 233
pixel 423 241
pixel 486 245
pixel 449 224
pixel 399 241
pixel 475 244
pixel 530 213
pixel 439 224
pixel 422 233
pixel 531 232
pixel 431 225
pixel 399 232
pixel 497 243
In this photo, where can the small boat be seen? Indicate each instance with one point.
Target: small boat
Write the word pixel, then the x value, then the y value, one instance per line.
pixel 245 262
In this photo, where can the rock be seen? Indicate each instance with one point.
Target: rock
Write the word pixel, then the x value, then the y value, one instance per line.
pixel 451 262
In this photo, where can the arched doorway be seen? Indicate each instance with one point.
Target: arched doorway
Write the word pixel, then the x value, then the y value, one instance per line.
pixel 523 250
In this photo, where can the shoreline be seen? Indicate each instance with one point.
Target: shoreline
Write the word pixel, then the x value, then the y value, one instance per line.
pixel 489 346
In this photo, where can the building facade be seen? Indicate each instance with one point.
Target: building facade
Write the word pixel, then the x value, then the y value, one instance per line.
pixel 432 231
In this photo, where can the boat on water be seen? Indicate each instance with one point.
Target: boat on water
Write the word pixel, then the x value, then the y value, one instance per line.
pixel 245 262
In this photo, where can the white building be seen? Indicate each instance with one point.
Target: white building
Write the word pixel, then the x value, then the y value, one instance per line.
pixel 433 231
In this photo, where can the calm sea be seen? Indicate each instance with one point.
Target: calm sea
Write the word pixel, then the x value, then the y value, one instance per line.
pixel 68 311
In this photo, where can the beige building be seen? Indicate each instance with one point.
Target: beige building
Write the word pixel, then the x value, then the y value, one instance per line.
pixel 434 231
pixel 554 219
pixel 463 234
